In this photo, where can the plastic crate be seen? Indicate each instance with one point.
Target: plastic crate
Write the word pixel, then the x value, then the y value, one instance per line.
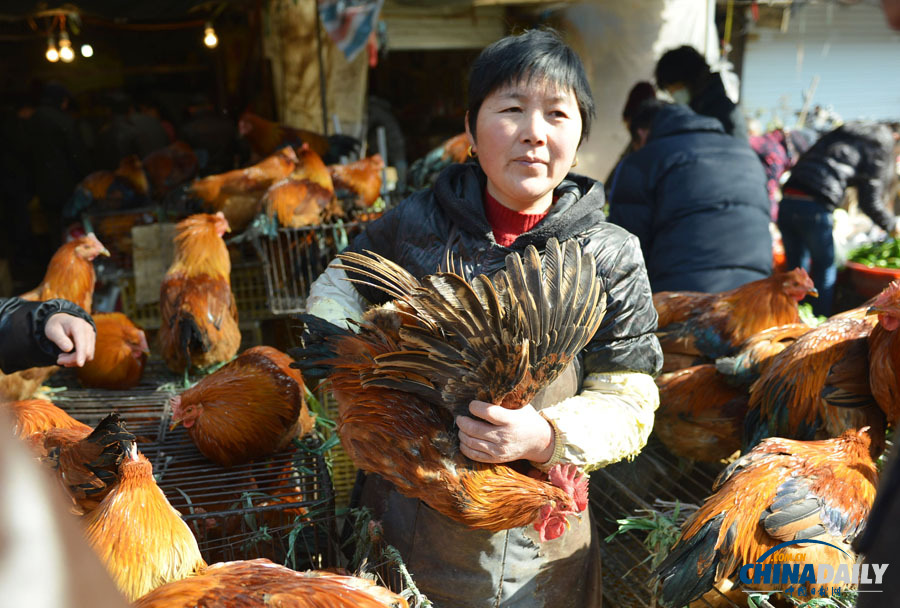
pixel 294 257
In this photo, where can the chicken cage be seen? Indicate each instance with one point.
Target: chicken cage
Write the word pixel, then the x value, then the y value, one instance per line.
pixel 280 508
pixel 292 258
pixel 626 489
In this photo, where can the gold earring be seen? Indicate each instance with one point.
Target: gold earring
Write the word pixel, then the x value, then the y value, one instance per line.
pixel 470 152
pixel 575 164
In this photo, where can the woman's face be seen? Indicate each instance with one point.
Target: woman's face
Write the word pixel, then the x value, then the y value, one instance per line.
pixel 526 137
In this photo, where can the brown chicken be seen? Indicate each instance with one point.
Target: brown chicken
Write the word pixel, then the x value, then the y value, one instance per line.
pixel 818 387
pixel 260 583
pixel 425 170
pixel 884 352
pixel 120 354
pixel 311 167
pixel 755 354
pixel 297 203
pixel 238 194
pixel 39 415
pixel 70 275
pixel 265 137
pixel 360 180
pixel 251 408
pixel 707 326
pixel 199 318
pixel 782 491
pixel 125 188
pixel 86 461
pixel 169 167
pixel 700 415
pixel 138 535
pixel 412 367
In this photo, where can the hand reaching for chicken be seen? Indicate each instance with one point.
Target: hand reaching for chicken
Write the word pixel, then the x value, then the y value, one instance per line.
pixel 497 434
pixel 74 336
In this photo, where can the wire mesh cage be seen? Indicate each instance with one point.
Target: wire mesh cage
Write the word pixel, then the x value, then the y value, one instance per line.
pixel 280 508
pixel 293 258
pixel 623 489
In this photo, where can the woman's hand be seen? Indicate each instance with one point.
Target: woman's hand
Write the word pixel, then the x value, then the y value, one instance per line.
pixel 74 336
pixel 497 434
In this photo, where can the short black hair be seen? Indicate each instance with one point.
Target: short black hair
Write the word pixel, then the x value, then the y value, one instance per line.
pixel 534 54
pixel 684 64
pixel 645 114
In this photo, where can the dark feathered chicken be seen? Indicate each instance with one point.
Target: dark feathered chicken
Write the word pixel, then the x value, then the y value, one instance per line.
pixel 416 364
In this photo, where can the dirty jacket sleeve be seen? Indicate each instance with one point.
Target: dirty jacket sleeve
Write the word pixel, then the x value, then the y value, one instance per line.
pixel 23 343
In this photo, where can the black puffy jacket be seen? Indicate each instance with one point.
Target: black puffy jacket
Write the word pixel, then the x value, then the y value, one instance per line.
pixel 450 218
pixel 23 343
pixel 696 198
pixel 713 101
pixel 855 154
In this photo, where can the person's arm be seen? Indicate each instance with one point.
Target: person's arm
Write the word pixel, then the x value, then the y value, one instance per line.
pixel 873 178
pixel 24 342
pixel 611 418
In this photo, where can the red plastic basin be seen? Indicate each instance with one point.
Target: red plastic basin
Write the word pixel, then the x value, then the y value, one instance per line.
pixel 869 281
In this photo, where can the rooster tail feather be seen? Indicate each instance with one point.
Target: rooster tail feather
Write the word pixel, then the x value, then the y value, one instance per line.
pixel 690 570
pixel 389 277
pixel 318 340
pixel 190 337
pixel 115 441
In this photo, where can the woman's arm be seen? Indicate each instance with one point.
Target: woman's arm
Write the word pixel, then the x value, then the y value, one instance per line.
pixel 24 338
pixel 611 418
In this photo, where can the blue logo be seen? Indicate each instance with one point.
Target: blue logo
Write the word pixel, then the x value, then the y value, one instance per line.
pixel 808 579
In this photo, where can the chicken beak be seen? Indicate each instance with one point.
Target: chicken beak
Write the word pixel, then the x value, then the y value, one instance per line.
pixel 873 310
pixel 145 348
pixel 174 424
pixel 104 252
pixel 813 292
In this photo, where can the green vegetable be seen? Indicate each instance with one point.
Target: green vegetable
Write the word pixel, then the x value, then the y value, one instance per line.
pixel 885 254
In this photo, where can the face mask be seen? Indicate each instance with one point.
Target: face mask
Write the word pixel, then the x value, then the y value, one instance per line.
pixel 681 96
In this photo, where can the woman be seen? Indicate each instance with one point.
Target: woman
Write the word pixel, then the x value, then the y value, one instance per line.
pixel 529 109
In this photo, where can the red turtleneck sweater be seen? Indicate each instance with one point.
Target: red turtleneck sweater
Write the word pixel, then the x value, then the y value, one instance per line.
pixel 506 223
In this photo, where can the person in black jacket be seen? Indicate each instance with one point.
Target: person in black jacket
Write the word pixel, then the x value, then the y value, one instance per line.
pixel 530 106
pixel 37 334
pixel 696 198
pixel 859 154
pixel 685 75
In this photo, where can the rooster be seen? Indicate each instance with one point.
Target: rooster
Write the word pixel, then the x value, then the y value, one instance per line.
pixel 70 276
pixel 260 583
pixel 782 490
pixel 413 367
pixel 265 137
pixel 86 461
pixel 297 203
pixel 251 408
pixel 199 318
pixel 425 170
pixel 884 352
pixel 700 415
pixel 707 326
pixel 817 387
pixel 125 188
pixel 755 354
pixel 169 167
pixel 120 354
pixel 38 415
pixel 138 535
pixel 236 193
pixel 359 182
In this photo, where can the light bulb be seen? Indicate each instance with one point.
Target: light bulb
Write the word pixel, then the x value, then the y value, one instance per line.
pixel 209 36
pixel 66 53
pixel 52 54
pixel 87 50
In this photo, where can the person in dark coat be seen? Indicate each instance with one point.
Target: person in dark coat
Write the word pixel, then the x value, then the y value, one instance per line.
pixel 696 198
pixel 859 154
pixel 529 108
pixel 685 75
pixel 38 334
